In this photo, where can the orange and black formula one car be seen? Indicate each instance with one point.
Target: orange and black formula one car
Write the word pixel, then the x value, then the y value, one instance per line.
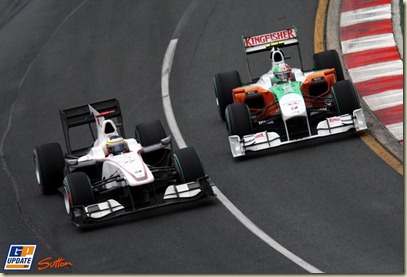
pixel 286 105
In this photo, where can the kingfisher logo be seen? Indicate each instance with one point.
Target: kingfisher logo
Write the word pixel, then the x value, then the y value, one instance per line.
pixel 20 257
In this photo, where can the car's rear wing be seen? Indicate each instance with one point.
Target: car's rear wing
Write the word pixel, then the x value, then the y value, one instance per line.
pixel 257 43
pixel 78 116
pixel 266 42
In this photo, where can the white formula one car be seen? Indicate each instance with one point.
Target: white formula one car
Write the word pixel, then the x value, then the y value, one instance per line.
pixel 117 176
pixel 286 104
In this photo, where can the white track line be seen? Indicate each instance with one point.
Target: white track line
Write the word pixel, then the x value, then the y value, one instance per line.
pixel 172 123
pixel 165 93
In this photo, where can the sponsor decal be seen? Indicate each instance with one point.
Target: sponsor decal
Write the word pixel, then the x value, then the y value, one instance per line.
pixel 293 107
pixel 252 93
pixel 317 80
pixel 270 37
pixel 20 257
pixel 292 103
pixel 49 263
pixel 264 122
pixel 334 119
pixel 287 88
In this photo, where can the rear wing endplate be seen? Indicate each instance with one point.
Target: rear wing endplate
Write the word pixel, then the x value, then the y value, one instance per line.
pixel 78 116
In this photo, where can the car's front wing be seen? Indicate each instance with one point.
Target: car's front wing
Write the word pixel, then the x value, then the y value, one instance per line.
pixel 111 208
pixel 265 140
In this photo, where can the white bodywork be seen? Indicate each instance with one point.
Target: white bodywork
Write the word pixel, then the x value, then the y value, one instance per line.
pixel 129 166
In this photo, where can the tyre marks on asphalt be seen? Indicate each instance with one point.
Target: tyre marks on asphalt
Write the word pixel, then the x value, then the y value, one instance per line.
pixel 373 61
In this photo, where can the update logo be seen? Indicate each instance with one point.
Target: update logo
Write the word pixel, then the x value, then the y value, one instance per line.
pixel 20 257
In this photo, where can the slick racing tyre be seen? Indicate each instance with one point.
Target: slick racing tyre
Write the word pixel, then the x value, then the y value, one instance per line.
pixel 223 84
pixel 49 165
pixel 78 191
pixel 149 133
pixel 329 59
pixel 238 120
pixel 345 97
pixel 188 165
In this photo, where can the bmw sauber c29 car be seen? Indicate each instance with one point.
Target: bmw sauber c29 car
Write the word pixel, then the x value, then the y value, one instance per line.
pixel 286 104
pixel 117 176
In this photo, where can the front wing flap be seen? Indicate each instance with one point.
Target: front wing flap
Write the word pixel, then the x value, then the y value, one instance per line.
pixel 188 190
pixel 265 140
pixel 174 194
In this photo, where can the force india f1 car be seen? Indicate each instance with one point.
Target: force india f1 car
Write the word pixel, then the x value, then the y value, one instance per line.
pixel 286 105
pixel 117 176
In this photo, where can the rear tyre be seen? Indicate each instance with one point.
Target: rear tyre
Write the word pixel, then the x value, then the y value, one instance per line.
pixel 188 165
pixel 345 97
pixel 223 84
pixel 238 120
pixel 78 191
pixel 49 165
pixel 329 59
pixel 149 133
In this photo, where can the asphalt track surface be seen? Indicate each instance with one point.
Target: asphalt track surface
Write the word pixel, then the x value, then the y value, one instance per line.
pixel 332 202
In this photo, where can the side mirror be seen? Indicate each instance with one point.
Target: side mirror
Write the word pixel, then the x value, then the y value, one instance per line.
pixel 166 141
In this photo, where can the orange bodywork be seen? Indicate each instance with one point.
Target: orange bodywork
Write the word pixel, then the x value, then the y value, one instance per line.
pixel 316 84
pixel 256 98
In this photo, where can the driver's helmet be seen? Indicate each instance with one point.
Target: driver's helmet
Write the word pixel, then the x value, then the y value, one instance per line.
pixel 115 145
pixel 282 72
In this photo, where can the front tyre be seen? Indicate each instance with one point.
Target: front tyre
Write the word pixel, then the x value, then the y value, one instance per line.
pixel 345 97
pixel 78 191
pixel 150 133
pixel 238 120
pixel 49 165
pixel 188 165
